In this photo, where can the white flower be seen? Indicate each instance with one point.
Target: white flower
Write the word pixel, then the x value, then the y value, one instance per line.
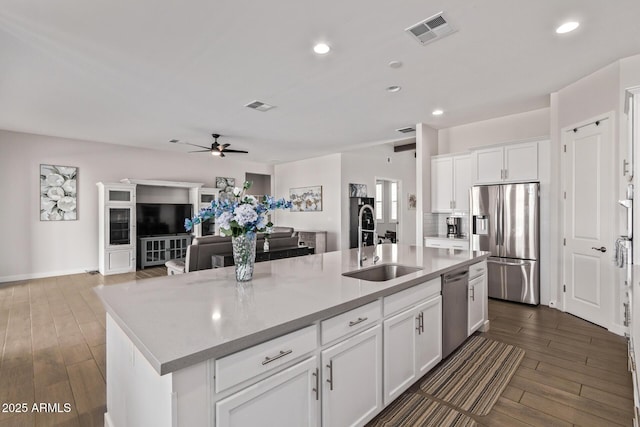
pixel 67 204
pixel 69 186
pixel 237 191
pixel 224 220
pixel 55 193
pixel 54 180
pixel 46 204
pixel 245 214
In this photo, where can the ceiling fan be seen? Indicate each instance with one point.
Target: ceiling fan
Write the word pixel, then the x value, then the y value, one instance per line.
pixel 216 149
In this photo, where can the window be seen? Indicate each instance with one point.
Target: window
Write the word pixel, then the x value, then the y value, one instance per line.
pixel 394 201
pixel 379 200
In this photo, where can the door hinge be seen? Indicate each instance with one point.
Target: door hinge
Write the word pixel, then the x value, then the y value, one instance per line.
pixel 564 242
pixel 564 288
pixel 565 148
pixel 565 195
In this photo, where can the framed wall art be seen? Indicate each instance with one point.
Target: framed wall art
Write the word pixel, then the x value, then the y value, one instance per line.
pixel 357 190
pixel 306 199
pixel 225 184
pixel 58 193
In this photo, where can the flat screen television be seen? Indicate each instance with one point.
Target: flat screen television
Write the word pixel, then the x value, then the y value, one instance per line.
pixel 158 219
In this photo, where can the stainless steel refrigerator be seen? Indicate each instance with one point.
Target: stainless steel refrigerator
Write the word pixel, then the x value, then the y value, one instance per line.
pixel 505 220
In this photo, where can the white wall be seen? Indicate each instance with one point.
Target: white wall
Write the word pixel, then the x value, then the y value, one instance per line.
pixel 515 127
pixel 35 248
pixel 426 146
pixel 363 167
pixel 324 171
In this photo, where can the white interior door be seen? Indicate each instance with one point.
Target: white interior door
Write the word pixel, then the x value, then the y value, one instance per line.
pixel 588 182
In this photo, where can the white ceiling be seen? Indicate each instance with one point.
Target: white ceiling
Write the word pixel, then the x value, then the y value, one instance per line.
pixel 145 71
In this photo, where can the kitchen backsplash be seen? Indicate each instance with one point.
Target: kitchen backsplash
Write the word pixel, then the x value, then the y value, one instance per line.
pixel 435 224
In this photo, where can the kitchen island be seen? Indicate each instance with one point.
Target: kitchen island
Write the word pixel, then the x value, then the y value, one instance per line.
pixel 200 349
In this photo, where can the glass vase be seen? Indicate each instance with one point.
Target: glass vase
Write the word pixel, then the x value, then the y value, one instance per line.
pixel 244 256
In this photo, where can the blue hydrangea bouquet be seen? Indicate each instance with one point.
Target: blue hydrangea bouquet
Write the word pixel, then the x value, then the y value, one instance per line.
pixel 241 214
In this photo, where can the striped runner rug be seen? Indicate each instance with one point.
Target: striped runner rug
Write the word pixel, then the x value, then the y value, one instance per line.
pixel 475 375
pixel 413 410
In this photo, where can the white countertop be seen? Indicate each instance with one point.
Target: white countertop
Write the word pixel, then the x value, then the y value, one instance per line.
pixel 445 237
pixel 180 320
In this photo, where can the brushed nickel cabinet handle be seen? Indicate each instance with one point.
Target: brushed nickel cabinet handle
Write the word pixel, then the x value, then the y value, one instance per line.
pixel 359 320
pixel 418 320
pixel 330 379
pixel 317 388
pixel 422 322
pixel 276 357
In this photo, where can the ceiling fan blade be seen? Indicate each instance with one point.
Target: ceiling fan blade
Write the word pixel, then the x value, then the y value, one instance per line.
pixel 221 154
pixel 236 151
pixel 225 145
pixel 196 145
pixel 200 151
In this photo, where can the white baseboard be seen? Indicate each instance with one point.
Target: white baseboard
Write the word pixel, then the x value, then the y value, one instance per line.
pixel 29 276
pixel 618 329
pixel 107 420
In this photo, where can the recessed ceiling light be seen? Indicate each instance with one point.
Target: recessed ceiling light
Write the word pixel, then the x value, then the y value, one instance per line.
pixel 321 48
pixel 567 27
pixel 437 112
pixel 395 64
pixel 393 88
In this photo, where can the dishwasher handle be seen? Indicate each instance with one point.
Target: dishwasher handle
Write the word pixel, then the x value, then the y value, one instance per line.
pixel 456 276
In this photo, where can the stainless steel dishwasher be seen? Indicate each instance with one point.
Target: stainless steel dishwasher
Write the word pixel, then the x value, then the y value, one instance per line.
pixel 455 310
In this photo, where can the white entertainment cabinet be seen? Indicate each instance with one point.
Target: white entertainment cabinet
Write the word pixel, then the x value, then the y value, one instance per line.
pixel 119 248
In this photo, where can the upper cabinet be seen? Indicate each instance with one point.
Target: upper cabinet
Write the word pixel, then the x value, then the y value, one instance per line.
pixel 507 163
pixel 450 182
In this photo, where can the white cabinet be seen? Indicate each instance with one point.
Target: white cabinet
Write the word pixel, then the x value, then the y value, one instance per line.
pixel 477 296
pixel 507 163
pixel 201 197
pixel 412 346
pixel 117 228
pixel 450 182
pixel 446 243
pixel 352 379
pixel 288 398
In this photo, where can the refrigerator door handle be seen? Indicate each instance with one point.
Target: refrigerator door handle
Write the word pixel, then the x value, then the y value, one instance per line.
pixel 504 262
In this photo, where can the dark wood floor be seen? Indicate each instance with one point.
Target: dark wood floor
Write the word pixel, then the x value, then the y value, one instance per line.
pixel 573 373
pixel 52 342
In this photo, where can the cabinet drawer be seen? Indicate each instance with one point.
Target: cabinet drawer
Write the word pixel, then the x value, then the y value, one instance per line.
pixel 243 365
pixel 408 297
pixel 446 243
pixel 353 320
pixel 478 269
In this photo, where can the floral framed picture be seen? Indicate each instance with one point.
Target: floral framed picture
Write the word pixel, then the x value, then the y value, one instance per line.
pixel 225 184
pixel 58 193
pixel 306 199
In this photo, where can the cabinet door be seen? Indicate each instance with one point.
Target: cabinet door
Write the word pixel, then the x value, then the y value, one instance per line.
pixel 477 295
pixel 461 182
pixel 120 261
pixel 488 165
pixel 429 339
pixel 521 162
pixel 400 353
pixel 120 226
pixel 289 398
pixel 441 184
pixel 352 379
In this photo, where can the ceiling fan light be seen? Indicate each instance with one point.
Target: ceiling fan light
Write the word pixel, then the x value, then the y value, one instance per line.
pixel 321 48
pixel 215 153
pixel 567 27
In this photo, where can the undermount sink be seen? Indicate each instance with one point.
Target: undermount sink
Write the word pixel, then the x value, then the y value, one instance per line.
pixel 382 272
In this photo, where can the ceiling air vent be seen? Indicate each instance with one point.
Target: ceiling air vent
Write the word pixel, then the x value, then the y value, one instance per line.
pixel 432 28
pixel 260 106
pixel 408 129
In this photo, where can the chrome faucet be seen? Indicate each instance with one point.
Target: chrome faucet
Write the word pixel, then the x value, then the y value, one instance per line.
pixel 361 244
